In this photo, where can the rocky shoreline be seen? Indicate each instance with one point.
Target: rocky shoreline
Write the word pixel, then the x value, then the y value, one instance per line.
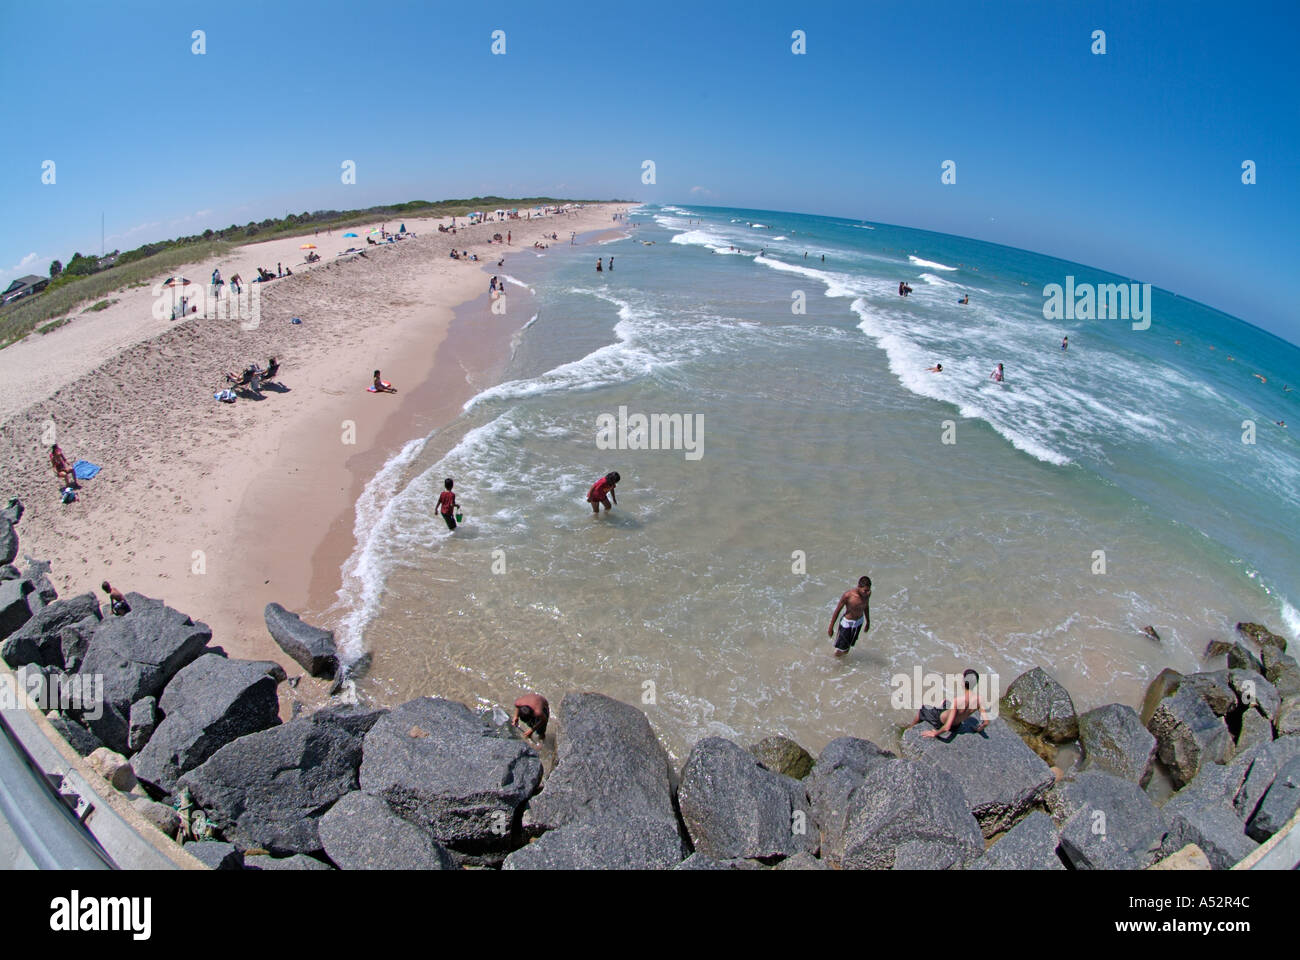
pixel 194 739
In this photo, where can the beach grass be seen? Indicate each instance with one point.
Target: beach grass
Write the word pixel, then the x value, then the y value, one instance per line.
pixel 62 298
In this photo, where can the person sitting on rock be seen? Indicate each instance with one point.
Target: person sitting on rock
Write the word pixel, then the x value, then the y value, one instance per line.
pixel 950 716
pixel 115 600
pixel 535 712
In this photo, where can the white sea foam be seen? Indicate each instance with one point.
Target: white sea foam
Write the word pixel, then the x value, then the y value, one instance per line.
pixel 929 263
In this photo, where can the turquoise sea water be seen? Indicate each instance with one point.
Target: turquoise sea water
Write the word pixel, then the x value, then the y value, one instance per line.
pixel 982 511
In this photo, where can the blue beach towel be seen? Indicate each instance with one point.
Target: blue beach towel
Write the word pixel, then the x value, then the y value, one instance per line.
pixel 84 470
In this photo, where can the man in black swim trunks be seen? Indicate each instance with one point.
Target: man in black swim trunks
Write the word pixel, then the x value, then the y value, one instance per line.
pixel 857 616
pixel 950 716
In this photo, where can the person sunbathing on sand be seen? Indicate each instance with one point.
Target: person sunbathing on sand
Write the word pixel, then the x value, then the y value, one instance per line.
pixel 383 386
pixel 950 716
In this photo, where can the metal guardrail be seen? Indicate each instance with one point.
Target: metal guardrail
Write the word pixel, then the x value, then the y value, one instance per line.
pixel 41 822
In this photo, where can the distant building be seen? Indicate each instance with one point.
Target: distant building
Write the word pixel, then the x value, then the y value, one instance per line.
pixel 24 287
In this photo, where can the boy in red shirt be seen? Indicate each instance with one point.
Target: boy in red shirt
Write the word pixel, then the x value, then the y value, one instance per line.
pixel 447 504
pixel 602 491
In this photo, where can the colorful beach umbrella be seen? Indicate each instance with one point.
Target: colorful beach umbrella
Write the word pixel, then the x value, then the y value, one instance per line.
pixel 176 282
pixel 349 234
pixel 374 231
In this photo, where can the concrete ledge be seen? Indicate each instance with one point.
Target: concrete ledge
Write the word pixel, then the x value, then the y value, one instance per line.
pixel 1279 852
pixel 131 840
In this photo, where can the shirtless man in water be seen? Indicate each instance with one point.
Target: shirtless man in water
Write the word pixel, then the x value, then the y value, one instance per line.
pixel 857 616
pixel 964 704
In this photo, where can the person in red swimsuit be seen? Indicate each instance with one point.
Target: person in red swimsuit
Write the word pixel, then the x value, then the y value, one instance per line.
pixel 602 491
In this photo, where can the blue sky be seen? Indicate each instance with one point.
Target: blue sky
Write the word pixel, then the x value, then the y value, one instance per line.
pixel 1129 161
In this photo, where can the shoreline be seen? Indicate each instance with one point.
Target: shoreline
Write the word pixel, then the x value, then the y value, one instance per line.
pixel 189 487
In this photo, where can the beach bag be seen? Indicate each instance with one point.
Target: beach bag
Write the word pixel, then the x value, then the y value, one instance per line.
pixel 69 495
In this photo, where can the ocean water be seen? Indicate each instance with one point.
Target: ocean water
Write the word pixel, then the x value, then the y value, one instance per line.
pixel 1041 521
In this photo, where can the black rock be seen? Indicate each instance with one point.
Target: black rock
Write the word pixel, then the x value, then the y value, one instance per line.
pixel 1001 778
pixel 840 770
pixel 901 804
pixel 1252 690
pixel 37 641
pixel 209 703
pixel 216 855
pixel 78 737
pixel 1030 845
pixel 782 755
pixel 312 647
pixel 268 790
pixel 74 641
pixel 143 720
pixel 1189 734
pixel 734 808
pixel 608 763
pixel 439 765
pixel 1279 805
pixel 1263 636
pixel 14 611
pixel 700 861
pixel 360 832
pixel 1114 741
pixel 298 861
pixel 12 513
pixel 1107 822
pixel 1039 705
pixel 604 842
pixel 137 655
pixel 8 541
pixel 9 572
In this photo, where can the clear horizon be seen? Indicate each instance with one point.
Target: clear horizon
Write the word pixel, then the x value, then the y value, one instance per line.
pixel 1128 162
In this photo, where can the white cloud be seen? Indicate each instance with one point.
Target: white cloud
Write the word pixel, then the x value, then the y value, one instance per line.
pixel 701 192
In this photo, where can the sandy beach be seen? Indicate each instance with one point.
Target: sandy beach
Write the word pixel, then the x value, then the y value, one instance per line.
pixel 222 508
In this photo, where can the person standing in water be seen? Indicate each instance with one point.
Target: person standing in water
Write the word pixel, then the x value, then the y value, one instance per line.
pixel 447 504
pixel 611 264
pixel 602 491
pixel 996 375
pixel 857 616
pixel 535 713
pixel 599 268
pixel 1065 344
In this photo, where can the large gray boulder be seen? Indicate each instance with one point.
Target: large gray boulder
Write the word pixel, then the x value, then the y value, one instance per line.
pixel 78 737
pixel 733 807
pixel 209 703
pixel 436 763
pixel 1164 684
pixel 1214 827
pixel 1106 822
pixel 901 805
pixel 1189 734
pixel 1240 658
pixel 700 861
pixel 311 647
pixel 782 755
pixel 37 641
pixel 1254 691
pixel 143 722
pixel 268 790
pixel 1284 673
pixel 604 842
pixel 1263 636
pixel 137 655
pixel 1036 704
pixel 14 611
pixel 1114 741
pixel 840 770
pixel 1214 688
pixel 609 763
pixel 1280 803
pixel 1255 729
pixel 360 832
pixel 74 641
pixel 999 775
pixel 1030 845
